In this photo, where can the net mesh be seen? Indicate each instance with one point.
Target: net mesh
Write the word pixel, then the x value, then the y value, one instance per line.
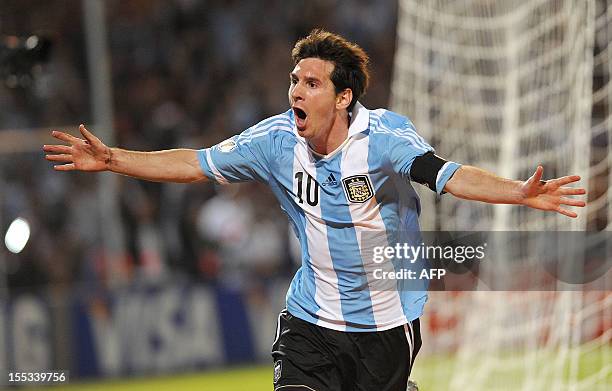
pixel 508 85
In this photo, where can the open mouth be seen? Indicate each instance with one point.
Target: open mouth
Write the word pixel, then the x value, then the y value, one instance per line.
pixel 301 114
pixel 300 118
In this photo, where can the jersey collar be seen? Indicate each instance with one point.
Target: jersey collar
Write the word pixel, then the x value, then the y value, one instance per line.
pixel 360 120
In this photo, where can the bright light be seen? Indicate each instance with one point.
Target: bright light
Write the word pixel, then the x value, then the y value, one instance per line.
pixel 31 42
pixel 17 235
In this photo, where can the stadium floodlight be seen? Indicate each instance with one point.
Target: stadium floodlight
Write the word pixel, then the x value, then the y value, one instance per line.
pixel 17 235
pixel 20 58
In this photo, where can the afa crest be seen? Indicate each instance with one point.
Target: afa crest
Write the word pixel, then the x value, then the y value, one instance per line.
pixel 358 188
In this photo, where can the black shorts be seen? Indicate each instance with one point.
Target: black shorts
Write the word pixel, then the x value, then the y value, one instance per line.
pixel 311 357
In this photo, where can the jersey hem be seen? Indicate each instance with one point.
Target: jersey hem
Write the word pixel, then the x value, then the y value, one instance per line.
pixel 445 174
pixel 347 328
pixel 204 165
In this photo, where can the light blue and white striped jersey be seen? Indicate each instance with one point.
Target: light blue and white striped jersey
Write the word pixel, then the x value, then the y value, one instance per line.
pixel 333 202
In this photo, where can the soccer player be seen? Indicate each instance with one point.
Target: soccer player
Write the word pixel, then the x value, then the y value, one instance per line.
pixel 339 171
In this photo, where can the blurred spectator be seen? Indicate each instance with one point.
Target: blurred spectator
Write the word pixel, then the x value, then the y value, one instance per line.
pixel 185 73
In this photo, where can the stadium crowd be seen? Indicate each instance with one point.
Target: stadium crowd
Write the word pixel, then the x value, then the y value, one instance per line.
pixel 185 73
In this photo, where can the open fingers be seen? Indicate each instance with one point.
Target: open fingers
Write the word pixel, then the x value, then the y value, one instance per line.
pixel 86 133
pixel 567 212
pixel 562 181
pixel 59 158
pixel 57 148
pixel 571 191
pixel 537 175
pixel 65 137
pixel 65 167
pixel 572 202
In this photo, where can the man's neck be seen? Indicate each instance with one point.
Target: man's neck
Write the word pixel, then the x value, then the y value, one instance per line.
pixel 333 138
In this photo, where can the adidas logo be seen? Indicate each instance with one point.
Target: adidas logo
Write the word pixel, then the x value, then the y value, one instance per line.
pixel 330 181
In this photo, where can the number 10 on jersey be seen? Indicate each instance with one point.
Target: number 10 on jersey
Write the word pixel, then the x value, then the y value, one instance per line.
pixel 311 190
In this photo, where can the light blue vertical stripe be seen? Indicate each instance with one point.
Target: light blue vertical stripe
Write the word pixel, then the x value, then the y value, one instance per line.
pixel 399 212
pixel 344 249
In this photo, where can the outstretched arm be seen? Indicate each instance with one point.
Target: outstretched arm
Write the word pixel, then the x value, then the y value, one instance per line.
pixel 472 183
pixel 91 154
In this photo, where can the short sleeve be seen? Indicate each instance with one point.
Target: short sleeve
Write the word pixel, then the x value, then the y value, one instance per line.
pixel 240 158
pixel 405 145
pixel 432 171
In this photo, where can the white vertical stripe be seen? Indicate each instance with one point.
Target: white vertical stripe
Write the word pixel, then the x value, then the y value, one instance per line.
pixel 441 172
pixel 409 338
pixel 277 336
pixel 219 178
pixel 371 232
pixel 327 295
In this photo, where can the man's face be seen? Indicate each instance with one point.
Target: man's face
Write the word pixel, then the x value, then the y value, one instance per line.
pixel 312 97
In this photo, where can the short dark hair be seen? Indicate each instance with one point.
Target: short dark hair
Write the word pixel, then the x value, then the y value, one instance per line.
pixel 350 61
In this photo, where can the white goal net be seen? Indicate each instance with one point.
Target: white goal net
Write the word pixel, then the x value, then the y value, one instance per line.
pixel 507 85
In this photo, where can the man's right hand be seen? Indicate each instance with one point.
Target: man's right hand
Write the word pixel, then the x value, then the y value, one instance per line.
pixel 88 154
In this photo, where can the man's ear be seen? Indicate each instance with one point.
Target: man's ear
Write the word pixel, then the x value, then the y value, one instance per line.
pixel 344 98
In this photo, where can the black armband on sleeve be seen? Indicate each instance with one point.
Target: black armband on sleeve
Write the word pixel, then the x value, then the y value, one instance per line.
pixel 425 168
